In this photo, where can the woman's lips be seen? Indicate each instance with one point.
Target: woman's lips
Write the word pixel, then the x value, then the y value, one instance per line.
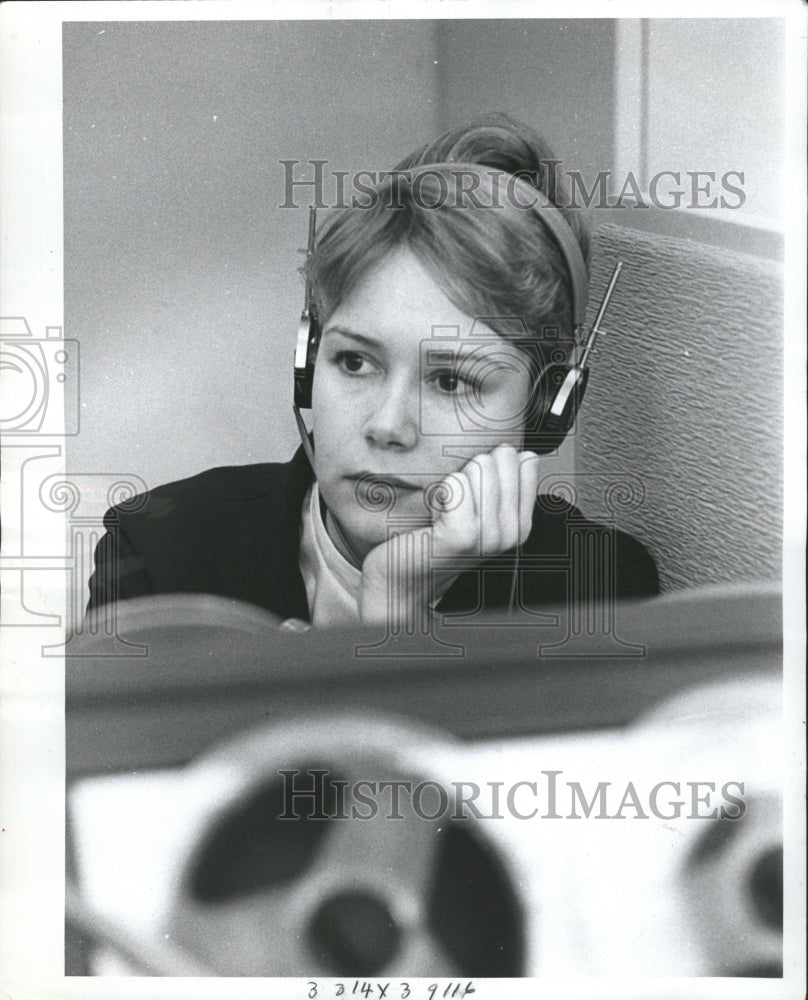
pixel 380 492
pixel 371 480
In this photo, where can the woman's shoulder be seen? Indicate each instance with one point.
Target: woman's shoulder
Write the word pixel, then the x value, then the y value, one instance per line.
pixel 563 530
pixel 201 534
pixel 225 482
pixel 222 485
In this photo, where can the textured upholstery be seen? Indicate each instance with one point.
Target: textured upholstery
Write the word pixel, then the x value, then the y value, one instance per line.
pixel 684 406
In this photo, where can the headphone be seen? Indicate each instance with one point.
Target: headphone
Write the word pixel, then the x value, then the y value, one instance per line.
pixel 560 387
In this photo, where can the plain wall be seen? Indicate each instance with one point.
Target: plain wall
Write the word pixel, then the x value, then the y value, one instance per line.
pixel 181 279
pixel 730 119
pixel 180 267
pixel 557 75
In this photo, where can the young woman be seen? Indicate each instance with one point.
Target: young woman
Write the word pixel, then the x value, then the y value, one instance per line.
pixel 440 301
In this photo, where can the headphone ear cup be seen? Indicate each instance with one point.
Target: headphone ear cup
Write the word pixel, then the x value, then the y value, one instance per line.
pixel 556 400
pixel 308 341
pixel 308 332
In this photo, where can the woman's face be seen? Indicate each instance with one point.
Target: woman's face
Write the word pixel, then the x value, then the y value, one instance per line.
pixel 407 388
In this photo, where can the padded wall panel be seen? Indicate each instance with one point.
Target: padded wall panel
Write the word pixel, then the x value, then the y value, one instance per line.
pixel 685 395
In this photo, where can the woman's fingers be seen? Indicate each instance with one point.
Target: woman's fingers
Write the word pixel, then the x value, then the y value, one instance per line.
pixel 457 526
pixel 482 510
pixel 487 497
pixel 506 471
pixel 491 505
pixel 529 466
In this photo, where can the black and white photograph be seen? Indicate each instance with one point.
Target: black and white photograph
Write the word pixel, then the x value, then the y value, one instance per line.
pixel 403 436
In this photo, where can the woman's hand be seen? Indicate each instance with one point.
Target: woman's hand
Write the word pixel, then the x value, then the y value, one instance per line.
pixel 487 509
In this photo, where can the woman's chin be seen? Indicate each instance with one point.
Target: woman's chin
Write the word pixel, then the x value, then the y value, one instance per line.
pixel 365 534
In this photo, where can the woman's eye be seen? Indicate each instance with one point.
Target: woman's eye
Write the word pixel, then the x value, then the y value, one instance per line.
pixel 448 381
pixel 351 362
pixel 451 383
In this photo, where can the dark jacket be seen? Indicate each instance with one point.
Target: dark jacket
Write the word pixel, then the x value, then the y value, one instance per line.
pixel 235 532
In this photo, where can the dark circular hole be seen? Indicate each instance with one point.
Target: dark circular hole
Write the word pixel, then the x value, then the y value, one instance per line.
pixel 250 848
pixel 354 934
pixel 766 887
pixel 716 839
pixel 473 910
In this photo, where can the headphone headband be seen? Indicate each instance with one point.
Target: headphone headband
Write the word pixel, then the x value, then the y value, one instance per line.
pixel 532 199
pixel 561 386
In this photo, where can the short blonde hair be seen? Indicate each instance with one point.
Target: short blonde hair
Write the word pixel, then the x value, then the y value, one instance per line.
pixel 493 258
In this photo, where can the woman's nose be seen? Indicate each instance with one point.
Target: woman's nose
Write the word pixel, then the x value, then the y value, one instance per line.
pixel 393 419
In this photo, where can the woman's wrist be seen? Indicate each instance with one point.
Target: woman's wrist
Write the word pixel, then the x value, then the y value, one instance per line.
pixel 400 583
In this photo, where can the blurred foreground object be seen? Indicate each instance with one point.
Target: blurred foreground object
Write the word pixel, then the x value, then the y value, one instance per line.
pixel 176 764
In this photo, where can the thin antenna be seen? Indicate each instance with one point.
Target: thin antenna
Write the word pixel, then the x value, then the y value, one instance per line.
pixel 308 251
pixel 590 342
